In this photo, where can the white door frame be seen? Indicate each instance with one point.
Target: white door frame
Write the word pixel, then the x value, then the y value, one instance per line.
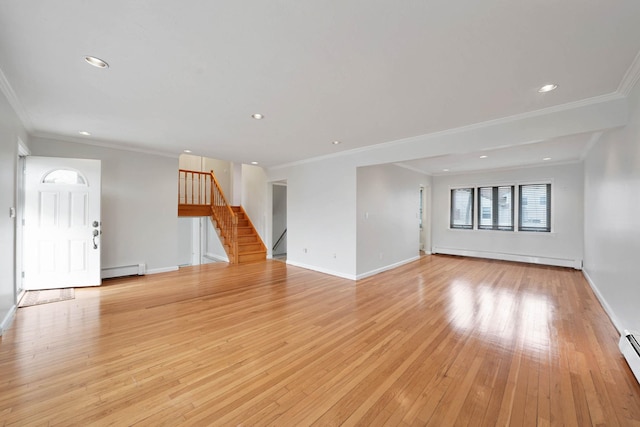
pixel 23 152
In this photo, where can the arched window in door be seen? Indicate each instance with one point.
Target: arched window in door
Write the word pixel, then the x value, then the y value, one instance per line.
pixel 64 176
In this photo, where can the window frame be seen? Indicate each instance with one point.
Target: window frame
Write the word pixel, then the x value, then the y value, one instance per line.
pixel 452 206
pixel 495 200
pixel 548 202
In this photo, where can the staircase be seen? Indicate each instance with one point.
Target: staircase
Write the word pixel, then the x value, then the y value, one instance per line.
pixel 199 194
pixel 249 245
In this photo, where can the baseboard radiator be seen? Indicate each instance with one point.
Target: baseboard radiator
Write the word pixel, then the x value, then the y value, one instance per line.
pixel 631 350
pixel 124 270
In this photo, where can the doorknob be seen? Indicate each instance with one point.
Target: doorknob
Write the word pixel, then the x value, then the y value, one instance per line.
pixel 95 224
pixel 95 234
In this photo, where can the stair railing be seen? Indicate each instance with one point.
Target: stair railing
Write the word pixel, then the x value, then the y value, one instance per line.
pixel 279 239
pixel 225 217
pixel 194 188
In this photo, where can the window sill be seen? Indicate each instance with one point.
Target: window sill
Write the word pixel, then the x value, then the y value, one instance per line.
pixel 504 232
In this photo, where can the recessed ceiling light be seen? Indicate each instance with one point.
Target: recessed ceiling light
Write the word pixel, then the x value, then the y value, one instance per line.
pixel 187 151
pixel 84 132
pixel 336 142
pixel 445 170
pixel 547 158
pixel 547 88
pixel 96 62
pixel 483 156
pixel 254 163
pixel 257 116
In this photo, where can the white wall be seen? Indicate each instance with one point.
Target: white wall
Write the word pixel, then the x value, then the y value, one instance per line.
pixel 213 249
pixel 222 170
pixel 254 197
pixel 321 215
pixel 612 212
pixel 235 196
pixel 185 240
pixel 563 246
pixel 10 130
pixel 139 203
pixel 388 232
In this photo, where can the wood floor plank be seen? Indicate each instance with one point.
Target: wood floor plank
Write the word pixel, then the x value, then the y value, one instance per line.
pixel 439 341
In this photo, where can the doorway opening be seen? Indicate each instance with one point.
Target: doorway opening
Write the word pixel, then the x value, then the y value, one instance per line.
pixel 279 221
pixel 424 220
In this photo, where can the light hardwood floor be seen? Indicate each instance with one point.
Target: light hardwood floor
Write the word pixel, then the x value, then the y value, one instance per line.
pixel 441 341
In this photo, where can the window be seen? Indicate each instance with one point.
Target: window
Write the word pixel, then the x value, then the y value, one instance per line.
pixel 535 207
pixel 495 208
pixel 462 208
pixel 64 176
pixel 420 208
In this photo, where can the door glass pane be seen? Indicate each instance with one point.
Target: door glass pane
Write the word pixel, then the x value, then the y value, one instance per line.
pixel 64 176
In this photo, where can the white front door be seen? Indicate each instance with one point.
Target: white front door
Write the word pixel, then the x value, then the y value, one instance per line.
pixel 62 223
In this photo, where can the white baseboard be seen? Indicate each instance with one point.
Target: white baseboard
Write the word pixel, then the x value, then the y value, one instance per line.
pixel 216 257
pixel 322 270
pixel 124 270
pixel 162 270
pixel 603 303
pixel 8 319
pixel 557 262
pixel 133 270
pixel 386 267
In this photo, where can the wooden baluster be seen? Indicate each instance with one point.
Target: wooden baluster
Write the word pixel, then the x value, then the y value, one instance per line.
pixel 179 178
pixel 192 187
pixel 199 190
pixel 186 190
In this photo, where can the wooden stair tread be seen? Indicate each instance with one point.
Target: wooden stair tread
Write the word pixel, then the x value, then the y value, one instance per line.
pixel 257 251
pixel 244 245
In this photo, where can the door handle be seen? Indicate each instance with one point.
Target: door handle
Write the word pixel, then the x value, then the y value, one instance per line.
pixel 95 234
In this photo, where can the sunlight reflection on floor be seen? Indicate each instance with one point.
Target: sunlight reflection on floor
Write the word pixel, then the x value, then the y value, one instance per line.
pixel 502 317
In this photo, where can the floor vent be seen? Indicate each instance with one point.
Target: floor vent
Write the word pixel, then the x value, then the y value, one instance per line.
pixel 631 350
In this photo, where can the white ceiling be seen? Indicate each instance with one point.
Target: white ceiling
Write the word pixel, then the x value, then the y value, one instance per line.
pixel 189 75
pixel 558 150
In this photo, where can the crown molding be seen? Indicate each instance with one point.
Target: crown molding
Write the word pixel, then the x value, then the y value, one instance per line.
pixel 630 77
pixel 9 93
pixel 411 168
pixel 514 167
pixel 614 96
pixel 103 144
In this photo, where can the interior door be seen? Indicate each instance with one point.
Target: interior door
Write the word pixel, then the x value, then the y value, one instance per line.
pixel 62 223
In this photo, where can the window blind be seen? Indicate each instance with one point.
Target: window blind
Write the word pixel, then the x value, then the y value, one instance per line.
pixel 461 208
pixel 535 207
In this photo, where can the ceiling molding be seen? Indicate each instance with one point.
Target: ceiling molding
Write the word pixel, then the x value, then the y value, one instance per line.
pixel 411 168
pixel 495 122
pixel 630 77
pixel 103 144
pixel 507 168
pixel 12 98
